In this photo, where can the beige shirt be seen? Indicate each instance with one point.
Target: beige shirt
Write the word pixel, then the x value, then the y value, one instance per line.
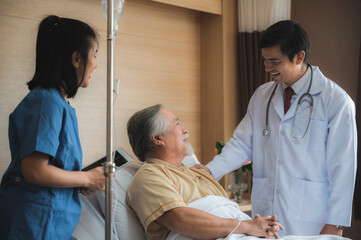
pixel 159 186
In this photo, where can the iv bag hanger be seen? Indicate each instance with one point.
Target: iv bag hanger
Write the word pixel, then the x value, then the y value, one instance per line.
pixel 113 14
pixel 117 12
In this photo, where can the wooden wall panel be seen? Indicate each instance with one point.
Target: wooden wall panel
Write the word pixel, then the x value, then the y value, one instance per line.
pixel 209 6
pixel 220 114
pixel 157 59
pixel 212 84
pixel 230 91
pixel 161 64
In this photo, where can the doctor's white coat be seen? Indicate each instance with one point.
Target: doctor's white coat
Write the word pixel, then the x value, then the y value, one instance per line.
pixel 307 182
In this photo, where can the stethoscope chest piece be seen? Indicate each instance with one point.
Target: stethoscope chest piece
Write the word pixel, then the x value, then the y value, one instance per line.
pixel 265 132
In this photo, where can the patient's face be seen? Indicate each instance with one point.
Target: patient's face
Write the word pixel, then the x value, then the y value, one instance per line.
pixel 176 138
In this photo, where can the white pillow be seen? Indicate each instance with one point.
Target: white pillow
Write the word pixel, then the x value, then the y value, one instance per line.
pixel 126 223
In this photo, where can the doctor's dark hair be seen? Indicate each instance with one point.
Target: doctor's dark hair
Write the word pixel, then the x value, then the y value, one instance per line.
pixel 290 36
pixel 142 126
pixel 58 38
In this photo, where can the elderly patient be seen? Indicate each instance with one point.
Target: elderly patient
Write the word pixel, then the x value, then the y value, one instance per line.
pixel 162 188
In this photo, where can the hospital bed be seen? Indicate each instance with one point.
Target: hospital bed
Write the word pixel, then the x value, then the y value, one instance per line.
pixel 126 225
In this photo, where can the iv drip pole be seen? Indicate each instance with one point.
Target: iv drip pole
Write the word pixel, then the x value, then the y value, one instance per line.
pixel 109 167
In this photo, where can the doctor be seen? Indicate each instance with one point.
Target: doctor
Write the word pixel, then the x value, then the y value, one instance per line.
pixel 304 157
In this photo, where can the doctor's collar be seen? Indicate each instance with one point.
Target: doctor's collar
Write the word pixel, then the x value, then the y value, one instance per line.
pixel 300 83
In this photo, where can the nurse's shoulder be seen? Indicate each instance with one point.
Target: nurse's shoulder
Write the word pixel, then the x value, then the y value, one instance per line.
pixel 40 100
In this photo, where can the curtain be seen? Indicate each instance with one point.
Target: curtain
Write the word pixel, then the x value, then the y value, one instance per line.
pixel 254 16
pixel 257 15
pixel 251 67
pixel 357 194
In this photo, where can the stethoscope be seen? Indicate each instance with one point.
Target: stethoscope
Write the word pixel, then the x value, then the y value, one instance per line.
pixel 266 131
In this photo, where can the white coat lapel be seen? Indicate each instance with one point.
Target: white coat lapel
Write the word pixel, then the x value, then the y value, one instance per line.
pixel 319 81
pixel 277 101
pixel 316 87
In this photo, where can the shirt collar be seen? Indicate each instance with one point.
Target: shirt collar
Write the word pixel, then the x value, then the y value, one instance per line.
pixel 299 85
pixel 160 161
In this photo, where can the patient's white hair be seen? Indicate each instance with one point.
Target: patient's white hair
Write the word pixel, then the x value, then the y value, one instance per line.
pixel 142 126
pixel 159 125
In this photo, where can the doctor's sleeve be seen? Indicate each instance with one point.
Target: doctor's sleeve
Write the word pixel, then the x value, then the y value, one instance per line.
pixel 341 157
pixel 237 150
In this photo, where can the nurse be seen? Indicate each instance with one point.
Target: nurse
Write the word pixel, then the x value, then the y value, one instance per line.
pixel 39 190
pixel 303 151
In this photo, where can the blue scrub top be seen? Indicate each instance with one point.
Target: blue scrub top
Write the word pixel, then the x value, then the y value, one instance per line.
pixel 43 122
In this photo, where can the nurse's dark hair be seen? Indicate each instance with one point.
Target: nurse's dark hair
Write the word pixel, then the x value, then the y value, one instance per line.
pixel 58 38
pixel 142 126
pixel 290 36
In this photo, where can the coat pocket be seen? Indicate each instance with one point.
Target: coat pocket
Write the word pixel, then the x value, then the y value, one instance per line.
pixel 308 201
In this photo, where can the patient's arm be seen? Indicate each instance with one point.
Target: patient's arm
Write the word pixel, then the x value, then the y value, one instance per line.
pixel 201 225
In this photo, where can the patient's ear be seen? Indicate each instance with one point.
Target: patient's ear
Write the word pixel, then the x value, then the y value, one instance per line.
pixel 158 140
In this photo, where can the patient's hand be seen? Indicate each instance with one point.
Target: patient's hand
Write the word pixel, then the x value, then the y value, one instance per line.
pixel 266 226
pixel 201 166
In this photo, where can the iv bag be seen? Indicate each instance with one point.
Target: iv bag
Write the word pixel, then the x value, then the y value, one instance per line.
pixel 118 8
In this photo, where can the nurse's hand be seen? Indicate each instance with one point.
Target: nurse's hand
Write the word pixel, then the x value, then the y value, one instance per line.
pixel 95 179
pixel 201 166
pixel 87 191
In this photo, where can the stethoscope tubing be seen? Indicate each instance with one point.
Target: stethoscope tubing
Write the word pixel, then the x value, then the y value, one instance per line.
pixel 266 132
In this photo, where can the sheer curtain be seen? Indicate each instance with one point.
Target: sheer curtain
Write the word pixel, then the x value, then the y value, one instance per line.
pixel 254 16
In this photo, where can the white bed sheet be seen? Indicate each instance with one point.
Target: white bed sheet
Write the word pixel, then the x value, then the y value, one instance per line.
pixel 91 225
pixel 223 207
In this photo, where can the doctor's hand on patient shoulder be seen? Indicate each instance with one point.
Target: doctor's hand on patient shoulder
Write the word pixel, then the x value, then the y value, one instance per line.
pixel 95 181
pixel 201 166
pixel 266 226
